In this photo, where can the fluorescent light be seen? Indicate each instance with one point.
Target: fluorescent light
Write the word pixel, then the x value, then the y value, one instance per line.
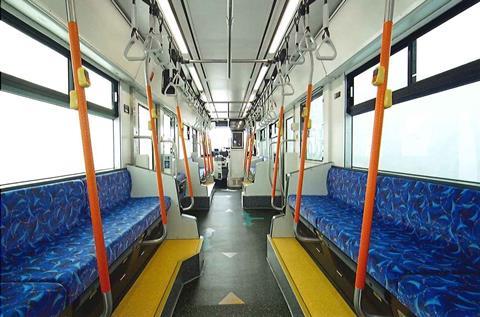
pixel 196 79
pixel 260 77
pixel 282 27
pixel 203 96
pixel 252 96
pixel 173 25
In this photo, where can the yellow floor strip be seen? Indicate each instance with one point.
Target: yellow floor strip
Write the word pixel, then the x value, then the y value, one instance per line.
pixel 314 292
pixel 148 295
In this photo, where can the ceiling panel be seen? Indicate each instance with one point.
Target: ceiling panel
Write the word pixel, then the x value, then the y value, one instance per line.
pixel 204 27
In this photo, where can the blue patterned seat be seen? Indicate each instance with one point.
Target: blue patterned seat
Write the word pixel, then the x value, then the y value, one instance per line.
pixel 442 295
pixel 32 299
pixel 419 227
pixel 65 252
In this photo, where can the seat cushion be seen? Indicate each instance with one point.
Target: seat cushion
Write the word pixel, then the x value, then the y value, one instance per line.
pixel 441 295
pixel 32 299
pixel 70 260
pixel 394 251
pixel 40 213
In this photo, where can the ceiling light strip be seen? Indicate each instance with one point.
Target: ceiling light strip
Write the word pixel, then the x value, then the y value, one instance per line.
pixel 173 25
pixel 287 16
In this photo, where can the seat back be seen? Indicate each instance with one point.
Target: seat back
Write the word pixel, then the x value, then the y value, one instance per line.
pixel 347 185
pixel 35 214
pixel 113 188
pixel 439 212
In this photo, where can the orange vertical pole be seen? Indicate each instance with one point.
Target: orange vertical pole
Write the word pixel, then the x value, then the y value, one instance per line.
pixel 212 168
pixel 184 148
pixel 156 156
pixel 204 155
pixel 277 156
pixel 207 154
pixel 95 215
pixel 375 153
pixel 250 152
pixel 245 158
pixel 303 152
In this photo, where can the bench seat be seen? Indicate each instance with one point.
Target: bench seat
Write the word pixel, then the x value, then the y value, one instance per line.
pixel 32 299
pixel 442 295
pixel 66 255
pixel 419 228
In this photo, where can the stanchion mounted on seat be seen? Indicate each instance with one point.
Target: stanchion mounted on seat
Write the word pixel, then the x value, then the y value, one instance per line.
pixel 308 45
pixel 80 79
pixel 368 208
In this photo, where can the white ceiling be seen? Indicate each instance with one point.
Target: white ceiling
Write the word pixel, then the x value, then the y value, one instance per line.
pixel 204 27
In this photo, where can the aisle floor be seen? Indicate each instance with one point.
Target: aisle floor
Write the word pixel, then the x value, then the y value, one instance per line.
pixel 236 279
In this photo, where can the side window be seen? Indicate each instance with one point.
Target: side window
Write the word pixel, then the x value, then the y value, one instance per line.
pixel 432 128
pixel 144 134
pixel 42 134
pixel 315 146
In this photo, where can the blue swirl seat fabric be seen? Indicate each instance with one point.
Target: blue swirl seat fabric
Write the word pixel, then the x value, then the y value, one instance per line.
pixel 32 299
pixel 47 235
pixel 442 295
pixel 419 227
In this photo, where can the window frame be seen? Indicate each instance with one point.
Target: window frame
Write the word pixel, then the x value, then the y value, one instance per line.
pixel 144 137
pixel 28 89
pixel 462 75
pixel 24 88
pixel 316 94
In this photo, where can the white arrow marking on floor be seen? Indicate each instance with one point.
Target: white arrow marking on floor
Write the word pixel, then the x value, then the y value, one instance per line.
pixel 209 232
pixel 229 254
pixel 231 299
pixel 229 210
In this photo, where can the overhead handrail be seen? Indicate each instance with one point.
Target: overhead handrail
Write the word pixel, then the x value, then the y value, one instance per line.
pixel 310 48
pixel 325 39
pixel 156 154
pixel 185 158
pixel 81 81
pixel 134 38
pixel 380 104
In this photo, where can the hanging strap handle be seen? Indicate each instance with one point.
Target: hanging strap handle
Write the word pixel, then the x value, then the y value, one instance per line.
pixel 326 41
pixel 134 38
pixel 307 44
pixel 299 58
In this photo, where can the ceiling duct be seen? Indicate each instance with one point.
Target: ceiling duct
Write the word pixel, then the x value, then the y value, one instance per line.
pixel 229 31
